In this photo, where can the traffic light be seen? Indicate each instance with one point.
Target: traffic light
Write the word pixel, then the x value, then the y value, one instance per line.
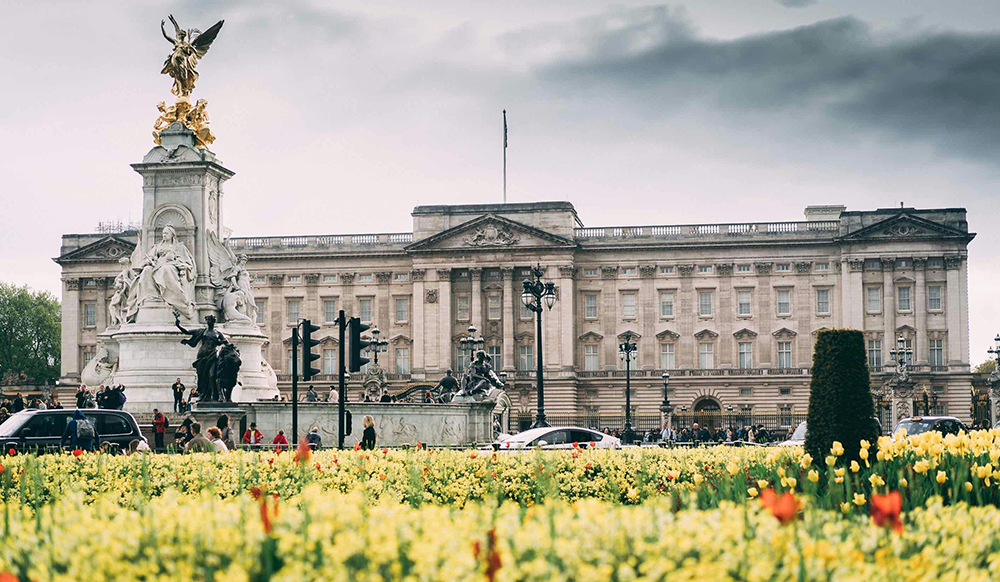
pixel 308 343
pixel 357 344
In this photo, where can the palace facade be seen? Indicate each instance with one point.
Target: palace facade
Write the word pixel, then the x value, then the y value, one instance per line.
pixel 731 311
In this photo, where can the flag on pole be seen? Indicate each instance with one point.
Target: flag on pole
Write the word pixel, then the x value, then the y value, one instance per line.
pixel 505 129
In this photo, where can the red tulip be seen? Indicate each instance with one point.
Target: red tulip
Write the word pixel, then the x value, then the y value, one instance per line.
pixel 885 510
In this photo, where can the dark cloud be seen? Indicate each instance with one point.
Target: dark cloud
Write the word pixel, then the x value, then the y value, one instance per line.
pixel 796 3
pixel 931 86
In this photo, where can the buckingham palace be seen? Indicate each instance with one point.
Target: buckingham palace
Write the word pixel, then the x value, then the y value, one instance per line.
pixel 731 311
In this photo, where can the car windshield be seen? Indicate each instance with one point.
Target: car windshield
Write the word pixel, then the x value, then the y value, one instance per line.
pixel 913 426
pixel 12 424
pixel 800 432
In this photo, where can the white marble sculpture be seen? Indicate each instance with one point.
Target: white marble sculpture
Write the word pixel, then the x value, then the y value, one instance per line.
pixel 118 308
pixel 168 272
pixel 233 291
pixel 100 370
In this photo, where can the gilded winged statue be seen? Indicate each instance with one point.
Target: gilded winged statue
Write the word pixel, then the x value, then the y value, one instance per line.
pixel 189 46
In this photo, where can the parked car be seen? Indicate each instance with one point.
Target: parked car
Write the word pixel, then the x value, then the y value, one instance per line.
pixel 922 424
pixel 798 437
pixel 39 430
pixel 557 437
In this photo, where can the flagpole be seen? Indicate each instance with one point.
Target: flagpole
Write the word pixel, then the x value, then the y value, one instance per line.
pixel 505 156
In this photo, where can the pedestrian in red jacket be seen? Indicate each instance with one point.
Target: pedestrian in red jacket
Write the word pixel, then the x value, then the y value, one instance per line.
pixel 252 435
pixel 280 441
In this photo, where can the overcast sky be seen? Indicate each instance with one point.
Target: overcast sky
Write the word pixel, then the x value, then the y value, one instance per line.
pixel 340 118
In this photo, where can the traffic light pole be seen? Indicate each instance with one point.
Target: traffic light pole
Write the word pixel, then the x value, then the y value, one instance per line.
pixel 295 384
pixel 341 384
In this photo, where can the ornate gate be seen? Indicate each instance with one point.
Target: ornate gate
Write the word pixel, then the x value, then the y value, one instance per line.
pixel 981 408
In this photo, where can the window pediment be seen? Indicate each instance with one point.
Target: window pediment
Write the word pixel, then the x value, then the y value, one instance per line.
pixel 635 336
pixel 816 331
pixel 745 334
pixel 784 332
pixel 667 334
pixel 706 334
pixel 591 336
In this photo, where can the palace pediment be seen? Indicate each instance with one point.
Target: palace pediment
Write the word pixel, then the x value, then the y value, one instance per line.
pixel 108 249
pixel 489 232
pixel 904 226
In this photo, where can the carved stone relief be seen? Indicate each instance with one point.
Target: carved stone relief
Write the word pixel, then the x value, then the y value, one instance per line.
pixel 417 274
pixel 647 271
pixel 432 296
pixel 346 278
pixel 724 269
pixel 763 268
pixel 685 270
pixel 609 272
pixel 492 234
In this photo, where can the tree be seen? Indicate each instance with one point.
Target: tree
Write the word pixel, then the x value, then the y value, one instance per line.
pixel 840 400
pixel 987 367
pixel 30 326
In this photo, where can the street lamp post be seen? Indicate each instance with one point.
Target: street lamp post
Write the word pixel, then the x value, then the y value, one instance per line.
pixel 534 294
pixel 994 381
pixel 377 345
pixel 627 352
pixel 472 342
pixel 665 407
pixel 901 356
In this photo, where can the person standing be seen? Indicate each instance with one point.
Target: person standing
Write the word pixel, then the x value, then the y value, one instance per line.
pixel 313 439
pixel 159 429
pixel 178 390
pixel 252 436
pixel 448 384
pixel 226 432
pixel 334 395
pixel 368 438
pixel 81 397
pixel 80 432
pixel 280 442
pixel 311 395
pixel 198 443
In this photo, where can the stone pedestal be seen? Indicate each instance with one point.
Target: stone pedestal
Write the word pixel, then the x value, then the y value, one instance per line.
pixel 207 414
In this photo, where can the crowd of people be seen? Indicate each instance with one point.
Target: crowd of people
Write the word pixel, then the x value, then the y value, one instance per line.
pixel 13 404
pixel 701 434
pixel 107 397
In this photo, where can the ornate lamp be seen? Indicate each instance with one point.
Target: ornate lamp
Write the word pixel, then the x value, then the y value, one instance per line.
pixel 534 293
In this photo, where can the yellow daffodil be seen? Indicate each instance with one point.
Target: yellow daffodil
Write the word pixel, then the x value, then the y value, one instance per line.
pixel 859 499
pixel 752 492
pixel 876 480
pixel 855 467
pixel 941 477
pixel 922 466
pixel 813 476
pixel 837 449
pixel 805 461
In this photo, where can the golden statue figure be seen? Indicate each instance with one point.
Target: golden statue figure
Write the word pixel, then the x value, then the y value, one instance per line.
pixel 194 118
pixel 189 46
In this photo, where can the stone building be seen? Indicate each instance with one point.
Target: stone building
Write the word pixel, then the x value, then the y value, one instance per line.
pixel 731 311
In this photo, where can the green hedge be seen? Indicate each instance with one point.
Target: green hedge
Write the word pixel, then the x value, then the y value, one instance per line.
pixel 840 400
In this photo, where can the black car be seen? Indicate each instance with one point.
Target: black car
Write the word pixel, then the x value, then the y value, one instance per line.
pixel 921 424
pixel 41 430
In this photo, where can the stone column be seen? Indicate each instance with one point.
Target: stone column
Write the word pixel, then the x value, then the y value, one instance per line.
pixel 854 293
pixel 384 316
pixel 649 316
pixel 70 340
pixel 476 273
pixel 311 308
pixel 567 327
pixel 102 305
pixel 511 299
pixel 609 316
pixel 726 321
pixel 686 350
pixel 445 319
pixel 279 311
pixel 551 329
pixel 888 306
pixel 921 352
pixel 956 310
pixel 417 370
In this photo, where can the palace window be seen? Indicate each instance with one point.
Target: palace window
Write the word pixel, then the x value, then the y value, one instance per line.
pixel 590 306
pixel 743 303
pixel 908 344
pixel 523 311
pixel 874 353
pixel 526 361
pixel 293 311
pixel 496 354
pixel 329 278
pixel 705 303
pixel 706 356
pixel 89 315
pixel 935 263
pixel 590 272
pixel 937 352
pixel 822 266
pixel 330 361
pixel 462 307
pixel 667 361
pixel 784 355
pixel 903 295
pixel 784 391
pixel 823 301
pixel 365 309
pixel 746 355
pixel 904 263
pixel 402 276
pixel 873 264
pixel 746 391
pixel 365 278
pixel 294 278
pixel 628 270
pixel 784 302
pixel 783 267
pixel 666 304
pixel 402 309
pixel 785 416
pixel 402 360
pixel 666 270
pixel 874 299
pixel 493 307
pixel 628 306
pixel 704 268
pixel 461 360
pixel 590 359
pixel 261 311
pixel 330 310
pixel 743 268
pixel 934 298
pixel 88 354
